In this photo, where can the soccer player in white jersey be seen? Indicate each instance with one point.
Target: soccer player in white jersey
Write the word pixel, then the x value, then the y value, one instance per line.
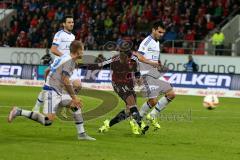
pixel 60 45
pixel 153 86
pixel 63 38
pixel 58 80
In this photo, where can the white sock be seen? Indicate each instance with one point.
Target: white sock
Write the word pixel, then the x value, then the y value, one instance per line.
pixel 159 107
pixel 38 117
pixel 25 113
pixel 144 110
pixel 80 128
pixel 79 121
pixel 39 102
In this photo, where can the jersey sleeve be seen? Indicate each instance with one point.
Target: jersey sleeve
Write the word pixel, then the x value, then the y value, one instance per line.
pixel 57 39
pixel 67 68
pixel 135 58
pixel 107 62
pixel 143 47
pixel 135 61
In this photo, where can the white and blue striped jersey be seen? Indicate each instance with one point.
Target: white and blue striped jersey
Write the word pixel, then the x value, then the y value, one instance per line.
pixel 62 65
pixel 150 49
pixel 59 61
pixel 63 39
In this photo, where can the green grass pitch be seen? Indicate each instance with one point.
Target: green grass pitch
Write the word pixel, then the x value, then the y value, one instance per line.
pixel 189 132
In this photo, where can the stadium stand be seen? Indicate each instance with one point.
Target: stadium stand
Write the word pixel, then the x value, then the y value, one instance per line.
pixel 100 21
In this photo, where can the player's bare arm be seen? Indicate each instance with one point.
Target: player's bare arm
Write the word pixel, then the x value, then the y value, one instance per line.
pixel 95 66
pixel 144 60
pixel 55 51
pixel 67 83
pixel 46 72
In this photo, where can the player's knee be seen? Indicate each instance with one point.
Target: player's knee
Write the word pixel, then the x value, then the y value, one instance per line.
pixel 170 95
pixel 47 121
pixel 130 101
pixel 51 117
pixel 77 85
pixel 152 101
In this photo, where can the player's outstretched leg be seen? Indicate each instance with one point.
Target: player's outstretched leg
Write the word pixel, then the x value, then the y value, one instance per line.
pixel 146 107
pixel 82 135
pixel 122 115
pixel 161 105
pixel 38 117
pixel 136 122
pixel 39 102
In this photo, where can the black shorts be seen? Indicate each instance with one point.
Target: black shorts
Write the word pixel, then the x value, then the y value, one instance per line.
pixel 124 91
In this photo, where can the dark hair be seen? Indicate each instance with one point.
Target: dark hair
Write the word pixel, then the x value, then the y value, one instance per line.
pixel 128 53
pixel 66 17
pixel 157 24
pixel 75 45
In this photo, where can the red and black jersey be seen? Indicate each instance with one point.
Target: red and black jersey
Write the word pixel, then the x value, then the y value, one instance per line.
pixel 122 73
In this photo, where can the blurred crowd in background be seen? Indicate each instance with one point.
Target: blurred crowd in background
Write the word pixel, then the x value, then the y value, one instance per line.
pixel 100 21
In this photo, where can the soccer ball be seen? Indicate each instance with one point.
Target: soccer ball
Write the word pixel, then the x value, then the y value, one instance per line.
pixel 210 101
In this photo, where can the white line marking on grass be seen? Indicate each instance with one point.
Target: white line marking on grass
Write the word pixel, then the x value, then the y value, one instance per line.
pixel 15 106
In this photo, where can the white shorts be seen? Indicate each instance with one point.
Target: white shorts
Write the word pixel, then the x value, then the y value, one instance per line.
pixel 154 87
pixel 51 102
pixel 66 100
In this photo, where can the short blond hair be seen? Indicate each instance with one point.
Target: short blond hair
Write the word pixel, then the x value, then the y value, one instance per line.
pixel 75 46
